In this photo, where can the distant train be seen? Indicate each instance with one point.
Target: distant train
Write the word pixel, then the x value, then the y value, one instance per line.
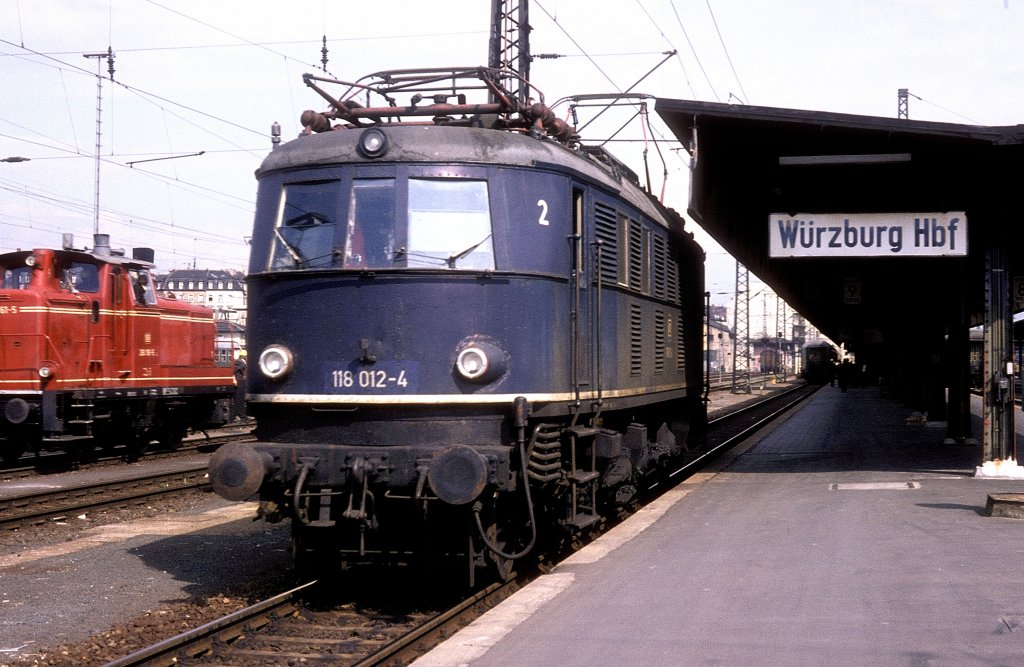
pixel 90 354
pixel 820 362
pixel 466 329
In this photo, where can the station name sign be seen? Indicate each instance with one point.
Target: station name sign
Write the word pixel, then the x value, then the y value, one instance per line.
pixel 868 234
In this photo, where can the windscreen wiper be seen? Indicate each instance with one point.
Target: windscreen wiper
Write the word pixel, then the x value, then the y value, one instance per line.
pixel 456 257
pixel 292 250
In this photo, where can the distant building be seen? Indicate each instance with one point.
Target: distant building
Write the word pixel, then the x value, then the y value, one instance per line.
pixel 223 291
pixel 718 349
pixel 230 341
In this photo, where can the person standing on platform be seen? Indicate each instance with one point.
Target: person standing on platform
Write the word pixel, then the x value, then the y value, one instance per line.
pixel 239 405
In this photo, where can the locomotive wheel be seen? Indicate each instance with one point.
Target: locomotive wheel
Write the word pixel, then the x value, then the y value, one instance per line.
pixel 12 450
pixel 17 443
pixel 138 445
pixel 170 436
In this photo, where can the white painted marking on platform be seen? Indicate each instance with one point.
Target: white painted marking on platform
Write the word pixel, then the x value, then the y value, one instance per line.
pixel 875 486
pixel 479 636
pixel 626 530
pixel 163 526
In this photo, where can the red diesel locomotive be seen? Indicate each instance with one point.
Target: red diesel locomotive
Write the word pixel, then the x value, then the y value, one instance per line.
pixel 90 353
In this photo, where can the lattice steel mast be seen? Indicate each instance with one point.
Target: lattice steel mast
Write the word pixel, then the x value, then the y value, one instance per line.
pixel 98 56
pixel 741 336
pixel 510 45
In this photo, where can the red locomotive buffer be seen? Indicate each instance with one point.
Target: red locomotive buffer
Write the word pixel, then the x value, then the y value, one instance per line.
pixel 89 352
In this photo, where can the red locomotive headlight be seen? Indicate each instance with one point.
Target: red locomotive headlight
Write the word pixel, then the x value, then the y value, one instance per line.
pixel 47 372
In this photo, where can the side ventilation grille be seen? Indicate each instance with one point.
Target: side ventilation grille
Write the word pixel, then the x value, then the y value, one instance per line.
pixel 636 347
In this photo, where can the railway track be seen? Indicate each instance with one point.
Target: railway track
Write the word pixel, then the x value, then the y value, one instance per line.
pixel 733 426
pixel 290 628
pixel 725 427
pixel 294 628
pixel 47 462
pixel 35 508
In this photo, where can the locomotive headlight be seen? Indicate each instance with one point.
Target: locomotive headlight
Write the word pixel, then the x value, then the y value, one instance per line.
pixel 472 363
pixel 276 361
pixel 373 143
pixel 47 372
pixel 481 362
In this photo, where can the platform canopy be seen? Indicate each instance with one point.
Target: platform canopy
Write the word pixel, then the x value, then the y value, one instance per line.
pixel 770 175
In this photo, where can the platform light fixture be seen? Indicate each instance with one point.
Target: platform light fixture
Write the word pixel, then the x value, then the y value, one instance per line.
pixel 866 158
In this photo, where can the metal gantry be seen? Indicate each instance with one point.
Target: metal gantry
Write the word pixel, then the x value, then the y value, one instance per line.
pixel 741 338
pixel 510 44
pixel 99 55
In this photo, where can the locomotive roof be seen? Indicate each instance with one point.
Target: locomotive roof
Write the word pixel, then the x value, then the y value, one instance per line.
pixel 457 115
pixel 462 145
pixel 204 274
pixel 82 255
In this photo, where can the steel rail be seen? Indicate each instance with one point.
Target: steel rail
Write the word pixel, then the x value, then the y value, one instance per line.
pixel 223 629
pixel 440 627
pixel 199 643
pixel 802 392
pixel 32 508
pixel 59 460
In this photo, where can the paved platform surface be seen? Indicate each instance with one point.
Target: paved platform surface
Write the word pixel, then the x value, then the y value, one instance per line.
pixel 845 536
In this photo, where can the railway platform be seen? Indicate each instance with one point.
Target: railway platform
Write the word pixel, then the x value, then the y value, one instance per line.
pixel 846 535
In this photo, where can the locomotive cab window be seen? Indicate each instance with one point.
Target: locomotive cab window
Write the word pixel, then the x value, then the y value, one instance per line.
pixel 142 287
pixel 17 278
pixel 391 223
pixel 304 234
pixel 80 277
pixel 370 237
pixel 449 224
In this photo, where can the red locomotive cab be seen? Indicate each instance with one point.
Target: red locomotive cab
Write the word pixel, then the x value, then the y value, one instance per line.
pixel 29 357
pixel 89 351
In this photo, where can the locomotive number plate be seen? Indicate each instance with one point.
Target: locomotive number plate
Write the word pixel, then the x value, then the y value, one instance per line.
pixel 385 377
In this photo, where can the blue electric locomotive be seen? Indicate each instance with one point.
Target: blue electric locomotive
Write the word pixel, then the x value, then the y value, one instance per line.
pixel 467 328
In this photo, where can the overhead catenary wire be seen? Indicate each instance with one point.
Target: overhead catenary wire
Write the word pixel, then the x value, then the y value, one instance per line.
pixel 157 226
pixel 197 115
pixel 578 46
pixel 919 98
pixel 226 32
pixel 726 50
pixel 144 94
pixel 693 50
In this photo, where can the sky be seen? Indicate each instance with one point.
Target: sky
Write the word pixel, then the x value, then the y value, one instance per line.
pixel 198 84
